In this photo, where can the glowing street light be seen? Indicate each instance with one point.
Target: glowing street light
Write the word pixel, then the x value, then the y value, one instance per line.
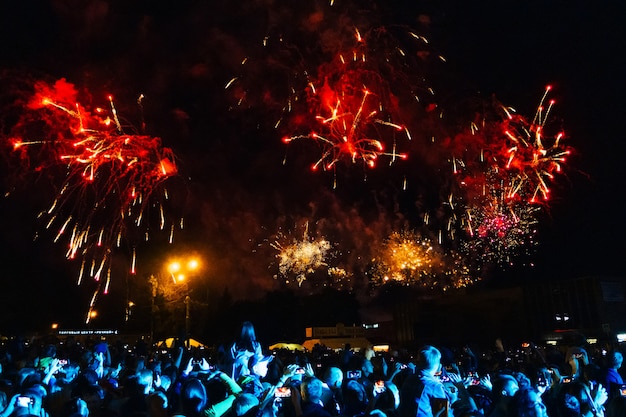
pixel 179 269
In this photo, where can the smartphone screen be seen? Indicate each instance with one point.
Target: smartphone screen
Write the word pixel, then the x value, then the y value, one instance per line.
pixel 354 374
pixel 379 386
pixel 282 392
pixel 23 401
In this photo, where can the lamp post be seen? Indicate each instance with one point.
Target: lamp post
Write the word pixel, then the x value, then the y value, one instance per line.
pixel 179 271
pixel 187 317
pixel 154 285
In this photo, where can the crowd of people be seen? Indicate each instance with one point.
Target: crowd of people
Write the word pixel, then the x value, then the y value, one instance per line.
pixel 244 379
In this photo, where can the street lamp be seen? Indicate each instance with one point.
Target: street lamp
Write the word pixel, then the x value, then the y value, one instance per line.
pixel 179 269
pixel 129 310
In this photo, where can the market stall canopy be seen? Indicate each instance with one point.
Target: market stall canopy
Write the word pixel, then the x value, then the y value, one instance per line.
pixel 169 342
pixel 288 346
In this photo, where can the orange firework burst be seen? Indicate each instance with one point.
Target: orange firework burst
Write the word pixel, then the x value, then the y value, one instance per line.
pixel 406 257
pixel 110 177
pixel 414 260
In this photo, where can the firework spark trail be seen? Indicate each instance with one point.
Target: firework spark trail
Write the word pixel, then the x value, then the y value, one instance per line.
pixel 111 179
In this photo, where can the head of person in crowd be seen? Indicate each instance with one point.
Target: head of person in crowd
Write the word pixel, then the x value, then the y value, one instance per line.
pixel 48 353
pixel 158 404
pixel 576 359
pixel 523 381
pixel 591 373
pixel 429 360
pixel 193 397
pixel 215 390
pixel 355 398
pixel 247 337
pixel 333 377
pixel 578 395
pixel 165 383
pixel 93 395
pixel 251 384
pixel 526 402
pixel 615 359
pixel 366 367
pixel 145 379
pixel 26 377
pixel 87 376
pixel 245 404
pixel 504 387
pixel 311 390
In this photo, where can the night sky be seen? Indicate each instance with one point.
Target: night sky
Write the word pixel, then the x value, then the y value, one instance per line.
pixel 240 188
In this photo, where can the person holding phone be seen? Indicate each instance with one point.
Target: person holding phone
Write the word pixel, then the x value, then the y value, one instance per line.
pixel 385 401
pixel 363 373
pixel 26 403
pixel 311 399
pixel 422 394
pixel 332 395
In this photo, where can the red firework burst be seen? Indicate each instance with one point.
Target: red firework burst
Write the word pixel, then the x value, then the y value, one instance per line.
pixel 110 178
pixel 504 175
